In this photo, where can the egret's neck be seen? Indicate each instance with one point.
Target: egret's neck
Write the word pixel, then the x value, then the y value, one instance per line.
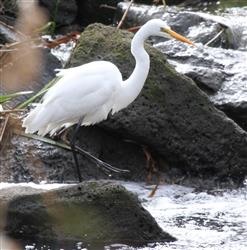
pixel 134 84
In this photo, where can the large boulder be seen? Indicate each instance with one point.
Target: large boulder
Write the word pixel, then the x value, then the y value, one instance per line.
pixel 172 115
pixel 94 213
pixel 172 119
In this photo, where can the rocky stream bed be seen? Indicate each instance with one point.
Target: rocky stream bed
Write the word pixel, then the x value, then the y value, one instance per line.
pixel 185 131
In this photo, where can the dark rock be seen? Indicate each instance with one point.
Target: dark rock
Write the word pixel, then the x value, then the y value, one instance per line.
pixel 209 80
pixel 62 12
pixel 3 39
pixel 94 213
pixel 237 112
pixel 8 35
pixel 171 115
pixel 91 11
pixel 9 8
pixel 24 160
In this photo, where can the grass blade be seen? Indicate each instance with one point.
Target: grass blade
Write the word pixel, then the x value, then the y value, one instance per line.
pixel 8 97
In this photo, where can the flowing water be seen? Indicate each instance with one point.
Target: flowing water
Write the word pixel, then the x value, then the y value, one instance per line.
pixel 199 220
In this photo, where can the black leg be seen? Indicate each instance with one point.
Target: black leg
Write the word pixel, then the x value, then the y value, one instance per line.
pixel 73 149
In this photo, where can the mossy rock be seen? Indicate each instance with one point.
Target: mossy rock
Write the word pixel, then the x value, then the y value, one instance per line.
pixel 171 115
pixel 96 213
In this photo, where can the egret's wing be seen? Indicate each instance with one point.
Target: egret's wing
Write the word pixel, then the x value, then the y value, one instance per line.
pixel 83 80
pixel 83 92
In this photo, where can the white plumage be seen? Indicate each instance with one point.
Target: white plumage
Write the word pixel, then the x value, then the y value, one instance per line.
pixel 95 89
pixel 73 97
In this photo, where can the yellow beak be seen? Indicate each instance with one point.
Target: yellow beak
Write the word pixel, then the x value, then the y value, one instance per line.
pixel 178 36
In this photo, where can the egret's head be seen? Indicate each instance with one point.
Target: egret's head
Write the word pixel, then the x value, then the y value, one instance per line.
pixel 157 27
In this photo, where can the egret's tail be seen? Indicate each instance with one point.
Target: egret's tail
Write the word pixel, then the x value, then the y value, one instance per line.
pixel 36 121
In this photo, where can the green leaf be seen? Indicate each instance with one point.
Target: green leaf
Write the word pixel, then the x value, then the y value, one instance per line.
pixel 8 97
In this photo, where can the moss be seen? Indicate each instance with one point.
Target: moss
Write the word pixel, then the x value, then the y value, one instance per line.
pixel 92 212
pixel 77 221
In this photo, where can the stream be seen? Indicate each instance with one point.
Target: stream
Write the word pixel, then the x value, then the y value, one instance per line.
pixel 199 220
pixel 207 220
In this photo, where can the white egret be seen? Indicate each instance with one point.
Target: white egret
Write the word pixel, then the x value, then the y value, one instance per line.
pixel 88 93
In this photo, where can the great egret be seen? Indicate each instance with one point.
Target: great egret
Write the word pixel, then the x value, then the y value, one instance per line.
pixel 88 93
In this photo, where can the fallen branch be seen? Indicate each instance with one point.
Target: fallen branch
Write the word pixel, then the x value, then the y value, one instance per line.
pixel 124 15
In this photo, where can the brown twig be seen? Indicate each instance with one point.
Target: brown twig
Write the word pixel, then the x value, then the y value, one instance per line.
pixel 124 15
pixel 152 193
pixel 3 127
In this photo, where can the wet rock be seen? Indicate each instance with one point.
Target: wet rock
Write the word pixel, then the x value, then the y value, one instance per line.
pixel 229 32
pixel 177 2
pixel 62 12
pixel 8 35
pixel 137 14
pixel 199 27
pixel 198 3
pixel 94 213
pixel 220 73
pixel 24 160
pixel 171 115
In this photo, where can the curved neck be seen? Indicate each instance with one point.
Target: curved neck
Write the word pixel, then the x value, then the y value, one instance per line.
pixel 133 85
